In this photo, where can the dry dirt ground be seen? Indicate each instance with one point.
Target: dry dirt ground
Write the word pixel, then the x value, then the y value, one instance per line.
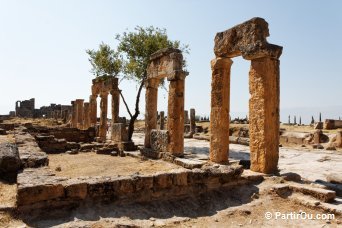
pixel 92 164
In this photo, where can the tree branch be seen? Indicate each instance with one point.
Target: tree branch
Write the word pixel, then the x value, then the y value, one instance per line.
pixel 129 112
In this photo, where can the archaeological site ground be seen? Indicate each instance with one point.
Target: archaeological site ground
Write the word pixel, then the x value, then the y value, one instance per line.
pixel 67 166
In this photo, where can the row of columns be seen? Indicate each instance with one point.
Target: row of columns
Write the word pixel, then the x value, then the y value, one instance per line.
pixel 84 114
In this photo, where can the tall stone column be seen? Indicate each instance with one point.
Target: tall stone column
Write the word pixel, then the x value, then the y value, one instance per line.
pixel 264 114
pixel 219 114
pixel 93 110
pixel 115 105
pixel 175 119
pixel 86 116
pixel 151 98
pixel 162 120
pixel 79 106
pixel 103 116
pixel 192 120
pixel 74 114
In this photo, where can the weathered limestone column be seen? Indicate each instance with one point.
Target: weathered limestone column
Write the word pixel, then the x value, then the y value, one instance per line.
pixel 79 107
pixel 192 120
pixel 115 105
pixel 219 115
pixel 264 114
pixel 162 120
pixel 103 116
pixel 175 119
pixel 86 115
pixel 186 117
pixel 93 110
pixel 74 114
pixel 151 98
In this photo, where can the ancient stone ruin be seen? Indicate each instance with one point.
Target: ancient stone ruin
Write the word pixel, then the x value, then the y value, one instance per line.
pixel 25 108
pixel 84 114
pixel 166 63
pixel 249 41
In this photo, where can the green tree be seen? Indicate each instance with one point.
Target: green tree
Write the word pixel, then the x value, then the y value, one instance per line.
pixel 105 61
pixel 137 47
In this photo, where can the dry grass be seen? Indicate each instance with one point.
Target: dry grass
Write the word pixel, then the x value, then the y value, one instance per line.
pixel 37 121
pixel 7 138
pixel 91 164
pixel 8 194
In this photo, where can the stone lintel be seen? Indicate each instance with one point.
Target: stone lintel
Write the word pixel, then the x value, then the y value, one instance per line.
pixel 248 40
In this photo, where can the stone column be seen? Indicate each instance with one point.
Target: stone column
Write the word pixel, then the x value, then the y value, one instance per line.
pixel 317 136
pixel 151 98
pixel 219 114
pixel 103 116
pixel 338 142
pixel 93 110
pixel 79 107
pixel 264 114
pixel 186 117
pixel 192 120
pixel 162 119
pixel 175 119
pixel 86 116
pixel 115 105
pixel 74 114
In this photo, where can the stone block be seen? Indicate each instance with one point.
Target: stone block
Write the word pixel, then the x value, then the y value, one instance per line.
pixel 188 163
pixel 162 180
pixel 247 39
pixel 159 140
pixel 119 132
pixel 76 190
pixel 32 194
pixel 9 161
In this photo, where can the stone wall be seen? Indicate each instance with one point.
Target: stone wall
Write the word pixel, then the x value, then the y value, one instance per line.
pixel 30 154
pixel 40 189
pixel 69 134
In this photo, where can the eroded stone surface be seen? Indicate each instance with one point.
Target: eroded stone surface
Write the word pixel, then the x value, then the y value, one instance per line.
pixel 264 114
pixel 247 39
pixel 40 188
pixel 9 161
pixel 159 140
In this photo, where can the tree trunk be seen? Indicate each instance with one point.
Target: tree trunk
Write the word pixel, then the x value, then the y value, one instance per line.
pixel 137 112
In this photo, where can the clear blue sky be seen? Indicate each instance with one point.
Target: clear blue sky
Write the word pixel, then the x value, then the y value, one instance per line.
pixel 43 43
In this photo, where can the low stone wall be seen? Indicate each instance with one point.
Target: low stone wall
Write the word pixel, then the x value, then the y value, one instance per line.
pixel 40 189
pixel 30 154
pixel 69 134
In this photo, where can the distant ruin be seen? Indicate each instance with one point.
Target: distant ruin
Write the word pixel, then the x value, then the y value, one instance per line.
pixel 249 41
pixel 26 109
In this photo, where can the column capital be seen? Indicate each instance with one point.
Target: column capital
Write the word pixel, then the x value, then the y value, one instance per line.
pixel 221 62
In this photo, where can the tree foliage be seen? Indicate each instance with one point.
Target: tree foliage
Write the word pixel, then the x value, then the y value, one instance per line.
pixel 139 45
pixel 105 61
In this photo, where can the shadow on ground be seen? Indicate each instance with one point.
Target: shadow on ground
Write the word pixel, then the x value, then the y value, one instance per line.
pixel 204 205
